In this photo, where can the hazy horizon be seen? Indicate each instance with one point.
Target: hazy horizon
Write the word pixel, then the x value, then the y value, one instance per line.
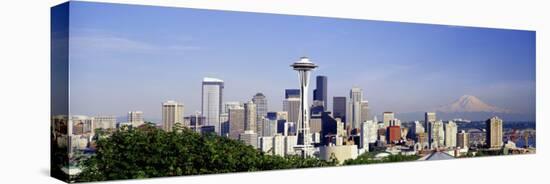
pixel 125 58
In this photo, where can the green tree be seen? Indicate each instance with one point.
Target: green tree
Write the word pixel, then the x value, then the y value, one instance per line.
pixel 150 152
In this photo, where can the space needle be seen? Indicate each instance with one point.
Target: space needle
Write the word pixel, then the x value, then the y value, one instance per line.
pixel 304 146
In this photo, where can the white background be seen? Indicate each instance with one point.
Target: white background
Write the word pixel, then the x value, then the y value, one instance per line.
pixel 24 90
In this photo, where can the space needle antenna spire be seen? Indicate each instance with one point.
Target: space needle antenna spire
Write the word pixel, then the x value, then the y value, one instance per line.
pixel 304 67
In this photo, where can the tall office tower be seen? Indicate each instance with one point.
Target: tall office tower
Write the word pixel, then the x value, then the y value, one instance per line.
pixel 261 105
pixel 354 108
pixel 364 111
pixel 249 137
pixel 450 134
pixel 429 117
pixel 236 121
pixel 172 113
pixel 292 93
pixel 462 139
pixel 229 105
pixel 292 107
pixel 135 118
pixel 261 111
pixel 320 93
pixel 387 117
pixel 212 93
pixel 494 132
pixel 368 134
pixel 339 107
pixel 436 134
pixel 304 66
pixel 250 116
pixel 104 122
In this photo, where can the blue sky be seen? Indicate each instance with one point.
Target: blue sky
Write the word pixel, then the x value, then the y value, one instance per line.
pixel 135 57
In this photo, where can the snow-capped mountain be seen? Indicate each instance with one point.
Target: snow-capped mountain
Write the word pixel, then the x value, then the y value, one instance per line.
pixel 469 103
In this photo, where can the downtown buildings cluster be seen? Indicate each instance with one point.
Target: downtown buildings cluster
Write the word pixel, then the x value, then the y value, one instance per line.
pixel 307 129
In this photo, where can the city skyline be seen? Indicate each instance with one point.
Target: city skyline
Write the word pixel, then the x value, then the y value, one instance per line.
pixel 167 61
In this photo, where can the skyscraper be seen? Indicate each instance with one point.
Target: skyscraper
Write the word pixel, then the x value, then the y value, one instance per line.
pixel 304 66
pixel 292 107
pixel 172 113
pixel 212 93
pixel 250 116
pixel 292 93
pixel 494 132
pixel 135 118
pixel 364 111
pixel 436 134
pixel 463 139
pixel 429 117
pixel 236 121
pixel 450 134
pixel 339 107
pixel 368 134
pixel 320 93
pixel 261 111
pixel 355 108
pixel 387 117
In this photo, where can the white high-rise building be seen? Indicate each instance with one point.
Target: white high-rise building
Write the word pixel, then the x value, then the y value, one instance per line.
pixel 365 111
pixel 418 128
pixel 279 145
pixel 388 116
pixel 451 131
pixel 368 134
pixel 261 105
pixel 135 118
pixel 494 133
pixel 212 93
pixel 429 117
pixel 355 108
pixel 250 116
pixel 172 113
pixel 266 144
pixel 463 139
pixel 290 143
pixel 104 122
pixel 436 134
